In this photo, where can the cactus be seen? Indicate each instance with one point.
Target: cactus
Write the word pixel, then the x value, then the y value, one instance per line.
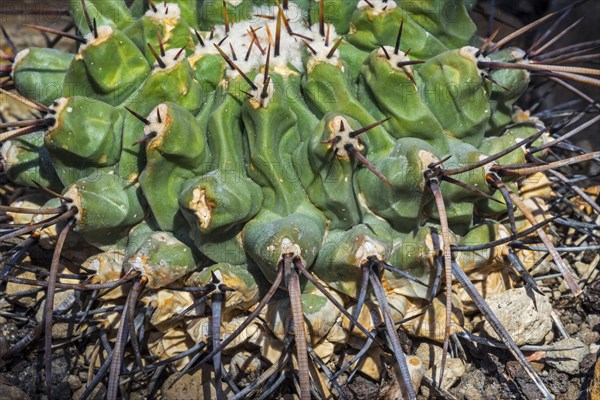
pixel 327 176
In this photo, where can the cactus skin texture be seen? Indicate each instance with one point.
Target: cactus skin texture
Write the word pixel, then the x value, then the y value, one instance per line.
pixel 221 150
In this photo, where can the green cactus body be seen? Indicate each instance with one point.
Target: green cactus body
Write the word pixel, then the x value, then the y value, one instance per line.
pixel 80 148
pixel 167 26
pixel 243 281
pixel 108 68
pixel 112 13
pixel 511 84
pixel 33 80
pixel 107 206
pixel 411 117
pixel 176 151
pixel 330 186
pixel 273 136
pixel 344 251
pixel 163 259
pixel 250 177
pixel 212 12
pixel 26 161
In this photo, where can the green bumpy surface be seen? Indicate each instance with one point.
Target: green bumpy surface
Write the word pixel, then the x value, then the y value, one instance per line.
pixel 226 179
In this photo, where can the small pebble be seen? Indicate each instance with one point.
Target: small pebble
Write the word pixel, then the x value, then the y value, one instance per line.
pixel 429 354
pixel 589 337
pixel 455 369
pixel 573 392
pixel 581 268
pixel 567 360
pixel 593 320
pixel 584 326
pixel 471 386
pixel 532 324
pixel 563 287
pixel 571 329
pixel 588 363
pixel 558 382
pixel 556 295
pixel 74 382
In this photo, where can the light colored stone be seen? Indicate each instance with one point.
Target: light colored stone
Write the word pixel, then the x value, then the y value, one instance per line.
pixel 372 363
pixel 571 328
pixel 568 361
pixel 455 369
pixel 74 382
pixel 549 337
pixel 519 316
pixel 589 337
pixel 544 268
pixel 429 354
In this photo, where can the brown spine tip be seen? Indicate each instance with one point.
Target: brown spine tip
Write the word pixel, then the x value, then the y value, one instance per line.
pixel 267 63
pixel 322 17
pixel 363 160
pixel 312 50
pixel 399 38
pixel 87 17
pixel 265 89
pixel 28 102
pixel 223 40
pixel 179 53
pixel 257 41
pixel 387 55
pixel 335 47
pixel 233 55
pixel 487 42
pixel 225 17
pixel 159 60
pixel 95 29
pixel 161 46
pixel 360 131
pixel 234 66
pixel 138 116
pixel 278 33
pixel 250 48
pixel 199 37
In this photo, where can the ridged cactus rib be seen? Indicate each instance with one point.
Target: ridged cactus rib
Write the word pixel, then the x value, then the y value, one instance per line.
pixel 349 151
